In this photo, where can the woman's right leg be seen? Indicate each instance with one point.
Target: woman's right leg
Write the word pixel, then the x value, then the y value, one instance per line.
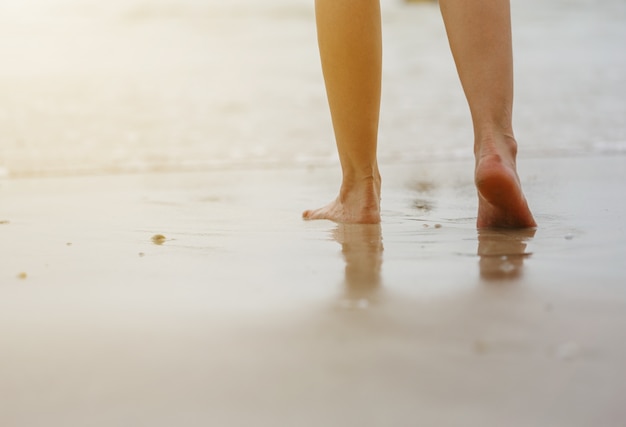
pixel 479 32
pixel 350 43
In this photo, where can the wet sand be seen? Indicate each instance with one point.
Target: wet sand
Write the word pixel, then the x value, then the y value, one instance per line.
pixel 243 314
pixel 202 299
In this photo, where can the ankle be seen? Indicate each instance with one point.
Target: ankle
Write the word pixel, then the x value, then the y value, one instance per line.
pixel 363 178
pixel 365 190
pixel 361 174
pixel 499 144
pixel 361 183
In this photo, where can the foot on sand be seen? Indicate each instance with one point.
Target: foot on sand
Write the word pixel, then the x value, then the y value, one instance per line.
pixel 501 201
pixel 356 204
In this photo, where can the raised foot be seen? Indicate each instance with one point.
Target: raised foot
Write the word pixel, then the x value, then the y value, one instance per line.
pixel 501 201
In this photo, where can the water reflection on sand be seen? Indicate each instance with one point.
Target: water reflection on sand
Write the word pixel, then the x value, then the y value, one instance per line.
pixel 362 249
pixel 502 252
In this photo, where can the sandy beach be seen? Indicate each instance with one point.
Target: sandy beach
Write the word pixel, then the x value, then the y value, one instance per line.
pixel 247 315
pixel 155 270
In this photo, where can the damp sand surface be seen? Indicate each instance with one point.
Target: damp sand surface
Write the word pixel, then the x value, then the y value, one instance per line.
pixel 242 314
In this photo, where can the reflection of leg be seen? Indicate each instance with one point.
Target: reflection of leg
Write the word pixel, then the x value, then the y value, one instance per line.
pixel 362 248
pixel 349 35
pixel 502 253
pixel 479 32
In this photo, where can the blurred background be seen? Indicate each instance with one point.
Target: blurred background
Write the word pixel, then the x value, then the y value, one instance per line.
pixel 165 85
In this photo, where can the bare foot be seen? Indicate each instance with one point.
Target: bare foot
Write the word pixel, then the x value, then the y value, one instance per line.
pixel 501 201
pixel 356 204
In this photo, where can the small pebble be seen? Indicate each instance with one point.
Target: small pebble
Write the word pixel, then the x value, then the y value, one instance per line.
pixel 141 254
pixel 22 276
pixel 158 239
pixel 68 244
pixel 569 236
pixel 4 221
pixel 437 225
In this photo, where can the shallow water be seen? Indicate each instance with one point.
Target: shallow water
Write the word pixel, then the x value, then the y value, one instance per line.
pixel 175 85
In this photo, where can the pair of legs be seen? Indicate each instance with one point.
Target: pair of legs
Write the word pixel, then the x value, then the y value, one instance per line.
pixel 479 32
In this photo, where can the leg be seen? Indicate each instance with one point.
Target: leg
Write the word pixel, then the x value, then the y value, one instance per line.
pixel 479 32
pixel 349 36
